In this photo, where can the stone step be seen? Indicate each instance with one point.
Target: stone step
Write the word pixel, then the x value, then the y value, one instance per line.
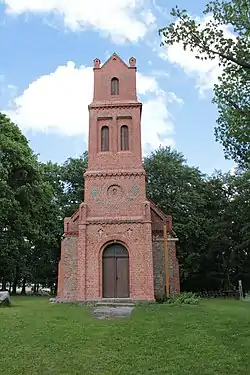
pixel 116 302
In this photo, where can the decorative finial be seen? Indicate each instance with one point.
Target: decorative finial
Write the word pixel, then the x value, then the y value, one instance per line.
pixel 132 62
pixel 97 63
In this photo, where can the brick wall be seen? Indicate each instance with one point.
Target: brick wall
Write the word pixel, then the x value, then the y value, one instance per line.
pixel 136 237
pixel 80 268
pixel 67 278
pixel 115 67
pixel 114 118
pixel 159 267
pixel 174 277
pixel 116 195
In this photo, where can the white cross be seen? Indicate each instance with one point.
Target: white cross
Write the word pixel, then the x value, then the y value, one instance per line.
pixel 129 231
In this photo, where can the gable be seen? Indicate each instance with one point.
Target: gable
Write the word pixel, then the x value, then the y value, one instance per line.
pixel 114 58
pixel 158 219
pixel 75 215
pixel 114 70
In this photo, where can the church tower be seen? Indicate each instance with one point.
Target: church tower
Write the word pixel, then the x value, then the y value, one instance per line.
pixel 107 251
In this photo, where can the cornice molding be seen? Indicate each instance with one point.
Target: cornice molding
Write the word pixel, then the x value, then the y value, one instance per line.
pixel 114 221
pixel 72 233
pixel 114 173
pixel 108 105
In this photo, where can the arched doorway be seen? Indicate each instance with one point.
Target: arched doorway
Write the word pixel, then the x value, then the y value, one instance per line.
pixel 115 271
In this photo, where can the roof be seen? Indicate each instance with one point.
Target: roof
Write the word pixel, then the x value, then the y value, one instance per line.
pixel 166 219
pixel 117 57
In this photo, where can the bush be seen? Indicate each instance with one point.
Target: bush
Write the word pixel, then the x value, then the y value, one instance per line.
pixel 162 299
pixel 185 298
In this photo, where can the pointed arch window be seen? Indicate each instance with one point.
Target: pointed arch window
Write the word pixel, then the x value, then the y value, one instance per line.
pixel 114 86
pixel 124 138
pixel 105 138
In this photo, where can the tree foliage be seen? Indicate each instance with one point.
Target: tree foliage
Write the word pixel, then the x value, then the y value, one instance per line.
pixel 72 172
pixel 210 217
pixel 176 188
pixel 28 211
pixel 211 214
pixel 224 36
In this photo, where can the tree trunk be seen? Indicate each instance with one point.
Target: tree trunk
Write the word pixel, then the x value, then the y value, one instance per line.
pixel 14 287
pixel 35 288
pixel 56 285
pixel 23 291
pixel 4 284
pixel 53 289
pixel 15 282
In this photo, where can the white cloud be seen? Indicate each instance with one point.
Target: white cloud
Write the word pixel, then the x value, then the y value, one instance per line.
pixel 7 91
pixel 58 103
pixel 172 97
pixel 233 171
pixel 146 84
pixel 119 19
pixel 205 72
pixel 157 124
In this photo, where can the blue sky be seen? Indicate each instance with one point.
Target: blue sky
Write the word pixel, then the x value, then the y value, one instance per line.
pixel 48 47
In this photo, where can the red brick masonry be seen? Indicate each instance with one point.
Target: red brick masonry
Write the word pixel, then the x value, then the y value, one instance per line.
pixel 115 207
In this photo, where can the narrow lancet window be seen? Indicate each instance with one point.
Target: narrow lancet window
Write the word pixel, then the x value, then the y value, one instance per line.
pixel 124 138
pixel 105 138
pixel 114 86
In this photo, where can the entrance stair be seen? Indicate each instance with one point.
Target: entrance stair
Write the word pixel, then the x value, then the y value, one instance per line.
pixel 115 302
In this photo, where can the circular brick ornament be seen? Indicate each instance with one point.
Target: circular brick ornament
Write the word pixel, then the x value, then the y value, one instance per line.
pixel 115 192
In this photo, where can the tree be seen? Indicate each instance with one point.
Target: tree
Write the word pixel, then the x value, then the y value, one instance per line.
pixel 240 212
pixel 29 212
pixel 178 190
pixel 218 262
pixel 211 41
pixel 210 216
pixel 19 174
pixel 72 178
pixel 47 250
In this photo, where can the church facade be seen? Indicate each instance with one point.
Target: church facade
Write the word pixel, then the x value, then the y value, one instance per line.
pixel 113 245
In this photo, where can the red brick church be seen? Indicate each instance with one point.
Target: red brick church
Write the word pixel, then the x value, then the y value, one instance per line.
pixel 113 245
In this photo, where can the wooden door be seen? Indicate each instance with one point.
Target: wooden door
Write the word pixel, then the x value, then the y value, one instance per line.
pixel 115 279
pixel 122 279
pixel 109 277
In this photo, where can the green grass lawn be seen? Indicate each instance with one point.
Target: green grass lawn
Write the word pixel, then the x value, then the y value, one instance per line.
pixel 37 337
